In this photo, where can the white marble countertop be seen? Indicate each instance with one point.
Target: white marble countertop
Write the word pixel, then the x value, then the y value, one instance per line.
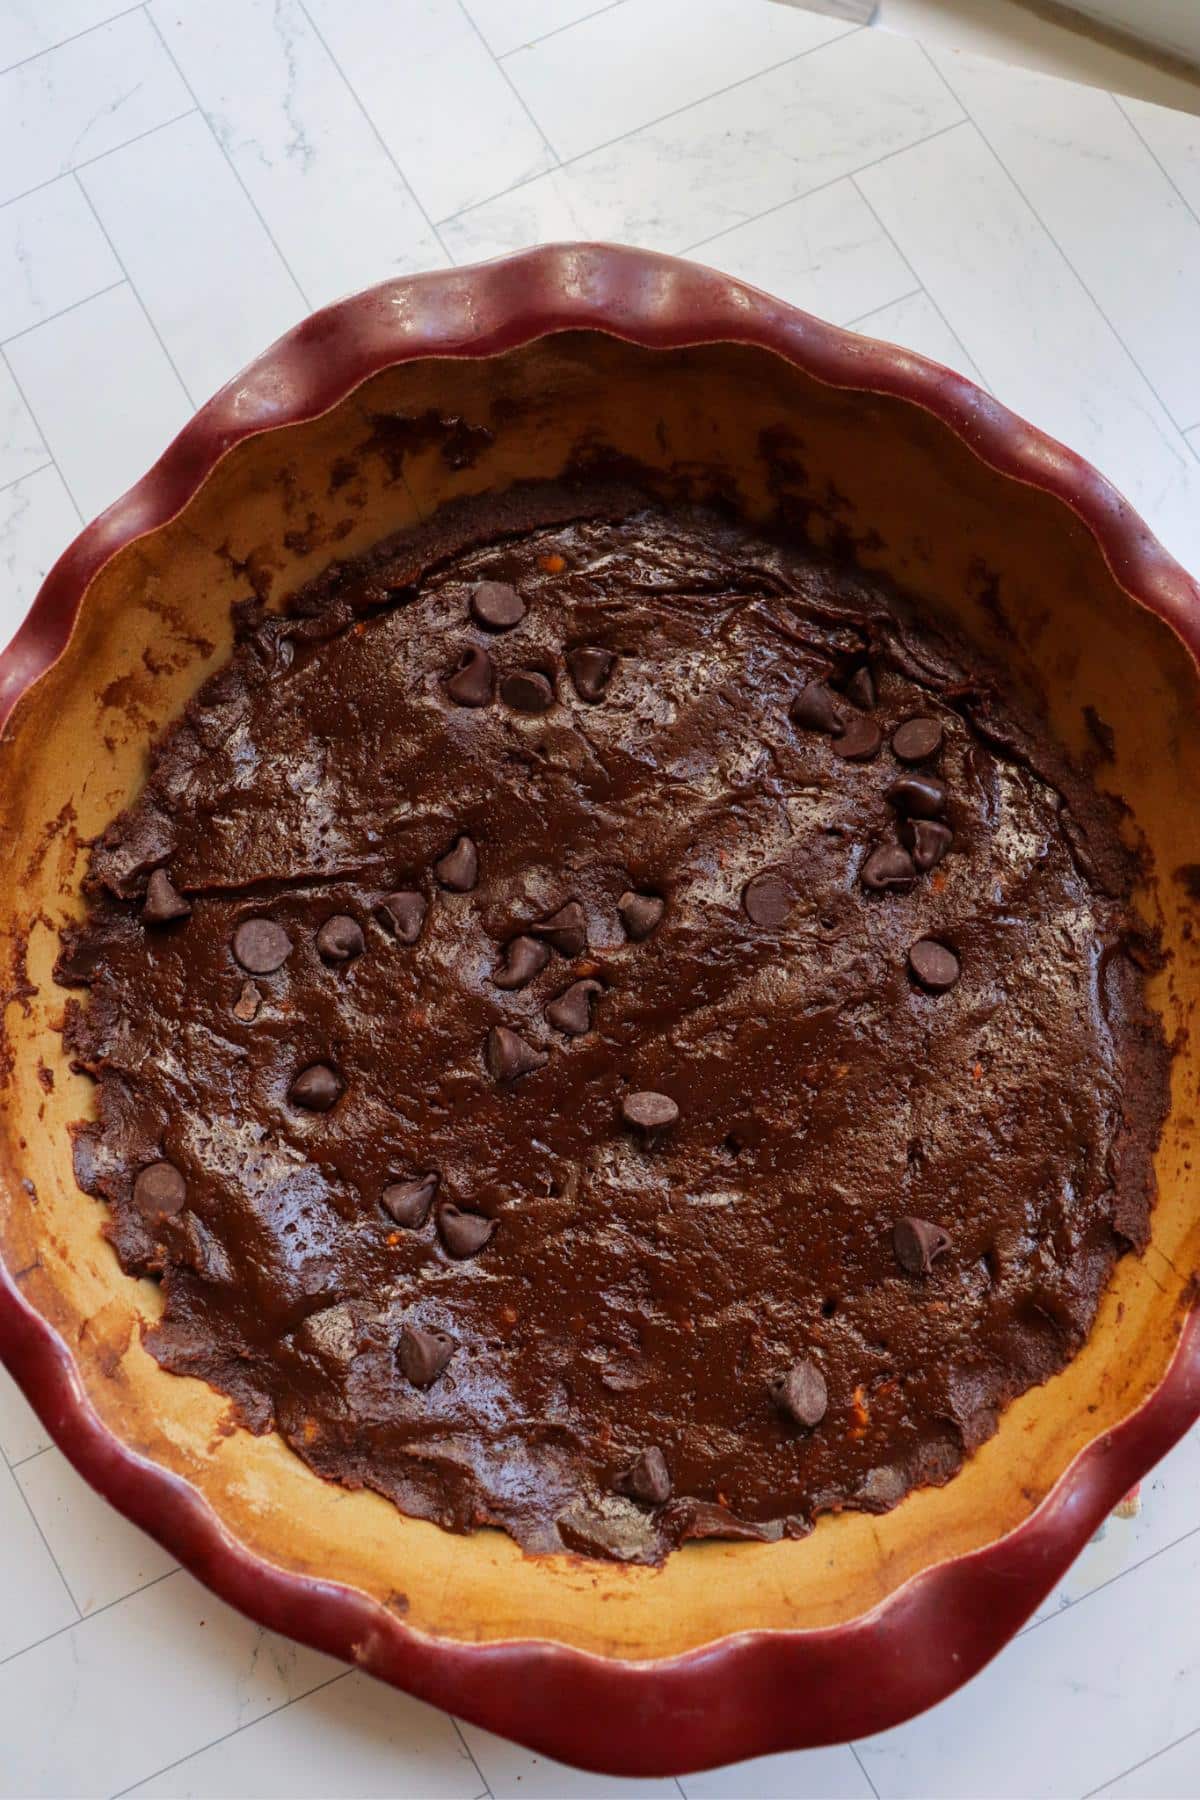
pixel 182 180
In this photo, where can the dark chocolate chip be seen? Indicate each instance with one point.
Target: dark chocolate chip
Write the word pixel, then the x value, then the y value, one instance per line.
pixel 889 866
pixel 261 946
pixel 859 688
pixel 523 959
pixel 917 1243
pixel 163 900
pixel 815 709
pixel 918 796
pixel 423 1354
pixel 649 1480
pixel 458 870
pixel 591 670
pixel 640 914
pixel 934 965
pixel 463 1233
pixel 565 929
pixel 928 840
pixel 859 741
pixel 497 605
pixel 315 1088
pixel 767 900
pixel 159 1191
pixel 801 1393
pixel 248 1002
pixel 403 914
pixel 527 691
pixel 408 1202
pixel 917 740
pixel 572 1010
pixel 649 1112
pixel 471 683
pixel 340 938
pixel 509 1056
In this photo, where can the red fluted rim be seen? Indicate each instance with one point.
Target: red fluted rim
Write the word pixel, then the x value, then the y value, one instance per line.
pixel 753 1692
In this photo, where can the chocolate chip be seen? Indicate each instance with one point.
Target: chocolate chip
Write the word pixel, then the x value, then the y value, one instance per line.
pixel 471 682
pixel 163 900
pixel 927 839
pixel 572 1010
pixel 523 959
pixel 247 1003
pixel 649 1112
pixel 261 946
pixel 591 670
pixel 649 1480
pixel 916 740
pixel 497 605
pixel 315 1088
pixel 423 1355
pixel 815 709
pixel 340 938
pixel 859 688
pixel 859 741
pixel 918 796
pixel 934 965
pixel 458 870
pixel 640 914
pixel 463 1233
pixel 159 1191
pixel 801 1393
pixel 917 1243
pixel 767 900
pixel 403 914
pixel 509 1056
pixel 565 929
pixel 408 1202
pixel 889 866
pixel 527 691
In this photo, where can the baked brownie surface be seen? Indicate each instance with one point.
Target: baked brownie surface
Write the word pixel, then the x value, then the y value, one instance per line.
pixel 609 1027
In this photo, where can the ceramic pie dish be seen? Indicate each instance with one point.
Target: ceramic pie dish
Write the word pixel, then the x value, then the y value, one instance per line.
pixel 729 1650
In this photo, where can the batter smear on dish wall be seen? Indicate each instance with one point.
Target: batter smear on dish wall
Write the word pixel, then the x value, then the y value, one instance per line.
pixel 608 1025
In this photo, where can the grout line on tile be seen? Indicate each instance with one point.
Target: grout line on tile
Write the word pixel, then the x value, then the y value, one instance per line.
pixel 64 310
pixel 66 174
pixel 862 318
pixel 884 227
pixel 568 162
pixel 1018 189
pixel 216 138
pixel 1113 1779
pixel 558 29
pixel 271 1713
pixel 517 95
pixel 467 1750
pixel 4 488
pixel 1153 155
pixel 7 362
pixel 49 1549
pixel 94 1614
pixel 133 290
pixel 375 131
pixel 74 37
pixel 822 188
pixel 863 1767
pixel 681 1787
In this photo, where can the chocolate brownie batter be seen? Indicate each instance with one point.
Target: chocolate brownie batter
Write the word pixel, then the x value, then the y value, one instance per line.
pixel 607 1026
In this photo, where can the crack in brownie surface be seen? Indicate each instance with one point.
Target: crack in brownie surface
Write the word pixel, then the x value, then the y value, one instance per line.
pixel 606 1026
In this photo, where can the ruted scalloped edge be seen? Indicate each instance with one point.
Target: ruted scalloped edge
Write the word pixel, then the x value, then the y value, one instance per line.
pixel 754 1692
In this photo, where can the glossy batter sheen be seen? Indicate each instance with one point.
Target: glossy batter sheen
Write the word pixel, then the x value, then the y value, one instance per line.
pixel 828 1157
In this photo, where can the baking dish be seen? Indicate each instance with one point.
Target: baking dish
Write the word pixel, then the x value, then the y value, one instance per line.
pixel 366 417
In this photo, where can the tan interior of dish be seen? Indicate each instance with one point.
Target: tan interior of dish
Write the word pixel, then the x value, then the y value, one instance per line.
pixel 1010 566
